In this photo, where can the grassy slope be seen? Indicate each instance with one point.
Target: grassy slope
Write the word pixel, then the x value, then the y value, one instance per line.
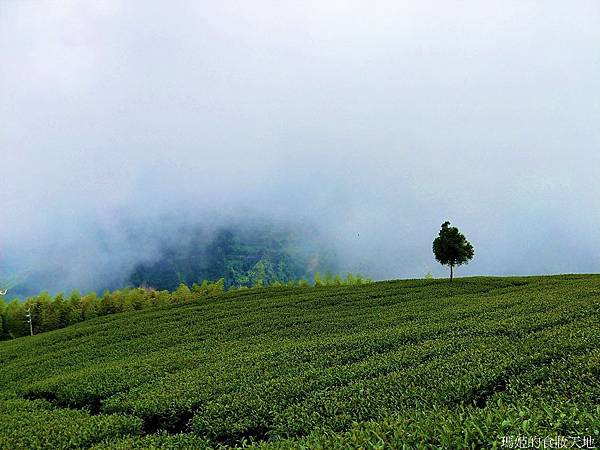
pixel 415 363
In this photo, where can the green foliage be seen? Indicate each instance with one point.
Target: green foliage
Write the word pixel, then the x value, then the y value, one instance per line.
pixel 451 248
pixel 405 364
pixel 53 313
pixel 26 424
pixel 216 288
pixel 317 279
pixel 302 283
pixel 255 256
pixel 201 289
pixel 182 294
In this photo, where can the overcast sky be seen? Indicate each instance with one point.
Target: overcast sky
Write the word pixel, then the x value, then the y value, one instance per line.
pixel 383 118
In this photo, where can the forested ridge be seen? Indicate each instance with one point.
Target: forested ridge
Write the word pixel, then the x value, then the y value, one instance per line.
pixel 242 255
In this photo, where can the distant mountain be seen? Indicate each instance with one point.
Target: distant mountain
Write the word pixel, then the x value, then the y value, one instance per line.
pixel 242 255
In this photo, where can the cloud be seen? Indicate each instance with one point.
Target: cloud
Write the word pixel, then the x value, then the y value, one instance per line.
pixel 383 118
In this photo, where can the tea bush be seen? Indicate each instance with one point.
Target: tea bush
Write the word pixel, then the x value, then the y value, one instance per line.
pixel 399 364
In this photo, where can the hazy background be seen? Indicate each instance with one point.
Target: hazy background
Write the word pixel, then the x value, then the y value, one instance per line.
pixel 375 121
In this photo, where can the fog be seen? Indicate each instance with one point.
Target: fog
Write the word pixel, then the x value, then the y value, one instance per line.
pixel 122 122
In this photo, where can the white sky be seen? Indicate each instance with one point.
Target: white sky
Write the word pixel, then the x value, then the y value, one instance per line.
pixel 379 117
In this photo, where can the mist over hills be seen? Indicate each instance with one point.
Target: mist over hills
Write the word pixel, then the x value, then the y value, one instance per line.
pixel 124 122
pixel 241 253
pixel 243 256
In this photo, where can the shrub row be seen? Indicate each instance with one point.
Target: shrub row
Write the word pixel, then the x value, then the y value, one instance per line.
pixel 48 313
pixel 418 363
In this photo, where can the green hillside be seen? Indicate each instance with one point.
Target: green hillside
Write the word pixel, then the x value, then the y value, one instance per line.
pixel 413 363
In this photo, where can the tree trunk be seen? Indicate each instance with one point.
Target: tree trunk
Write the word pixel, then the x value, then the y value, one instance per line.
pixel 451 267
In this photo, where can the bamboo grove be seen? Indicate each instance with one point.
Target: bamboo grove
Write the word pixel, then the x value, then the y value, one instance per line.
pixel 48 312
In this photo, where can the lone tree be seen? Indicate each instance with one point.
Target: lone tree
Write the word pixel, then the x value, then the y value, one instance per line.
pixel 451 248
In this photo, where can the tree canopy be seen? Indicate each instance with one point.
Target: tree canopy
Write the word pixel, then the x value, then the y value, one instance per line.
pixel 451 248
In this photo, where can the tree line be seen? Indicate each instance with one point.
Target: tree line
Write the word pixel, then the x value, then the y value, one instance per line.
pixel 48 312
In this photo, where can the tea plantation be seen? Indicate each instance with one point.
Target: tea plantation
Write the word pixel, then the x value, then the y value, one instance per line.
pixel 399 364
